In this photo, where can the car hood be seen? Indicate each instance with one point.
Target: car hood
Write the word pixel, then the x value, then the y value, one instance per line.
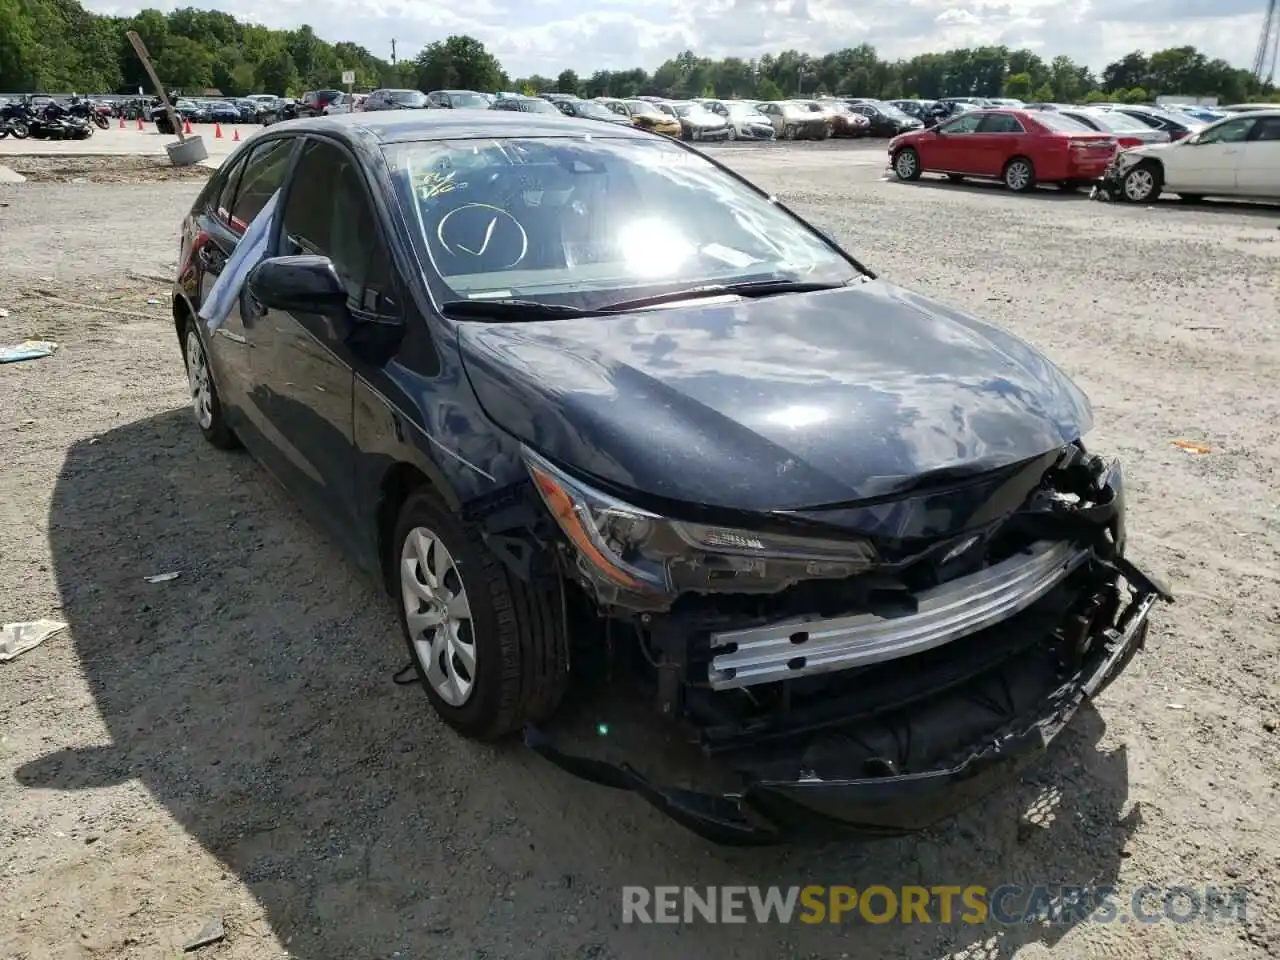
pixel 785 402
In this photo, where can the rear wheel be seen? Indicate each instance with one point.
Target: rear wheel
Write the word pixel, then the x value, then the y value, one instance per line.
pixel 789 132
pixel 205 402
pixel 490 650
pixel 733 132
pixel 906 164
pixel 1019 175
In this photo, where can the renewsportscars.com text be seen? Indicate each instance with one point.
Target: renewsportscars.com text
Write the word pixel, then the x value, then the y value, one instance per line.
pixel 1006 904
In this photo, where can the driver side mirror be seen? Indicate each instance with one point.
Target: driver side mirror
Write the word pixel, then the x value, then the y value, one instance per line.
pixel 307 284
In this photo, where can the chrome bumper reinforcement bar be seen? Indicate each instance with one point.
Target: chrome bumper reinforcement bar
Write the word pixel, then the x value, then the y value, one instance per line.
pixel 798 648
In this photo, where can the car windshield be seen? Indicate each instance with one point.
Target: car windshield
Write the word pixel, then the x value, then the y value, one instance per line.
pixel 593 111
pixel 892 112
pixel 586 221
pixel 536 105
pixel 1060 122
pixel 1118 122
pixel 468 100
pixel 644 108
pixel 408 98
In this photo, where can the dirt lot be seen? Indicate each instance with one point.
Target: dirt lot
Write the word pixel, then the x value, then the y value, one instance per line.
pixel 229 744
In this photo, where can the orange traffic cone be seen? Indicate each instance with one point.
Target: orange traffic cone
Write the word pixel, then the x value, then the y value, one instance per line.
pixel 217 131
pixel 236 138
pixel 186 128
pixel 122 123
pixel 140 126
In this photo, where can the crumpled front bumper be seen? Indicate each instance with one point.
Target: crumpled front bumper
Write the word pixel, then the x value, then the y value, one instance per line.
pixel 771 810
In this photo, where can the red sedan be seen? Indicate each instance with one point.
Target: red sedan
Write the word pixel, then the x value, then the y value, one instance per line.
pixel 1020 147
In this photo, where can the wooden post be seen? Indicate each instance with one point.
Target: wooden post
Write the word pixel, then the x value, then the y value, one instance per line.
pixel 140 49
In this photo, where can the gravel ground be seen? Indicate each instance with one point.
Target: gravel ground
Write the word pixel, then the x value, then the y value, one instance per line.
pixel 229 744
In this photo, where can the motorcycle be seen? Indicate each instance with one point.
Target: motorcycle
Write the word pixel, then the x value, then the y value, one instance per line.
pixel 13 121
pixel 87 111
pixel 55 123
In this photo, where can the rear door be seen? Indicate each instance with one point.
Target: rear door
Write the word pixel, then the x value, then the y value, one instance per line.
pixel 252 179
pixel 1258 174
pixel 998 138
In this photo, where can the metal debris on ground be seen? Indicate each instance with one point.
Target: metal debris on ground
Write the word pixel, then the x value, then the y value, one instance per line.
pixel 3 313
pixel 17 638
pixel 212 932
pixel 162 577
pixel 1189 447
pixel 27 350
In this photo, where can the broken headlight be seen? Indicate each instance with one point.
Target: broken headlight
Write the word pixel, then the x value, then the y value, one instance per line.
pixel 622 548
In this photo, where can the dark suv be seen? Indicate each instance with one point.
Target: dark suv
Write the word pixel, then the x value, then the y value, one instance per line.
pixel 313 102
pixel 397 100
pixel 456 99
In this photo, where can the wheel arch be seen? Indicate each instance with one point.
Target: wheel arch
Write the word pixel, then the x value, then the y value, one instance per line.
pixel 182 312
pixel 398 483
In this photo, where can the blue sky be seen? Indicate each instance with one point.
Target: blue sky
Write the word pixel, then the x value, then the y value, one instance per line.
pixel 545 36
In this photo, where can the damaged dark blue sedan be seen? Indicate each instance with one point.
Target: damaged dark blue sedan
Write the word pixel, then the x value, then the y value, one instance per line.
pixel 590 405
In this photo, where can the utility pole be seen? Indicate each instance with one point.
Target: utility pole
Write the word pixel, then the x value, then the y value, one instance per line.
pixel 393 51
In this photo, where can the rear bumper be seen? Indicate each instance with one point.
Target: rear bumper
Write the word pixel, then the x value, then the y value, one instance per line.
pixel 788 800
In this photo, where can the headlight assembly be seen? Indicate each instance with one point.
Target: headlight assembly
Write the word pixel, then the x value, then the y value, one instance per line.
pixel 624 550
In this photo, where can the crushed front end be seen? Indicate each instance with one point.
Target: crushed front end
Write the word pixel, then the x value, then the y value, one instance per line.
pixel 870 667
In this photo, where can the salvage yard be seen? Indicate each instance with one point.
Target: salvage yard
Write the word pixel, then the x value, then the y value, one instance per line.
pixel 227 747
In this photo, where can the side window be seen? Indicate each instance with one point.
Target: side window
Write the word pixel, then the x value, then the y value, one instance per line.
pixel 1268 129
pixel 1233 131
pixel 999 123
pixel 967 123
pixel 227 195
pixel 865 111
pixel 328 214
pixel 262 176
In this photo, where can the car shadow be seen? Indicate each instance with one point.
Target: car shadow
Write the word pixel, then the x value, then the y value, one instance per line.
pixel 987 187
pixel 253 698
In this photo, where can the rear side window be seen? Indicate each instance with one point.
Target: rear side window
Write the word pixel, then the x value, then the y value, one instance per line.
pixel 1007 123
pixel 226 196
pixel 263 173
pixel 328 213
pixel 1268 129
pixel 1060 123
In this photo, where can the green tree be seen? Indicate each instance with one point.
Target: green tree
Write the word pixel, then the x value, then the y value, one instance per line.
pixel 567 82
pixel 1018 86
pixel 460 62
pixel 1044 94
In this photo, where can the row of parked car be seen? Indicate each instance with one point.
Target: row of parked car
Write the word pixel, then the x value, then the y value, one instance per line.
pixel 1131 152
pixel 697 118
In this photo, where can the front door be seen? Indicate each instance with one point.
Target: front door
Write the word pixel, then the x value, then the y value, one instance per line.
pixel 1258 174
pixel 304 363
pixel 1207 163
pixel 996 140
pixel 949 149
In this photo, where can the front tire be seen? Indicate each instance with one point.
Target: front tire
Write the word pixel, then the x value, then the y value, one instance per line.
pixel 205 402
pixel 490 650
pixel 906 164
pixel 1142 184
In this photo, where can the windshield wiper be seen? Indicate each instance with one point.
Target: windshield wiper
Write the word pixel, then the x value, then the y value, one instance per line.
pixel 512 309
pixel 748 288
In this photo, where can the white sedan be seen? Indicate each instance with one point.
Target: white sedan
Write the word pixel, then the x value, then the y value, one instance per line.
pixel 1238 156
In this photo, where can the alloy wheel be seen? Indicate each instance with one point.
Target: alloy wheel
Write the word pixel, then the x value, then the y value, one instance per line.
pixel 438 615
pixel 1018 176
pixel 1139 184
pixel 905 165
pixel 198 381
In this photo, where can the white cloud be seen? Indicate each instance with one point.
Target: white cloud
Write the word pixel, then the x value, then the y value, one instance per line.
pixel 546 36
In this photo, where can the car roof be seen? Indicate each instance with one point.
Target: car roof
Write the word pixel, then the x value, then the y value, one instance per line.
pixel 395 126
